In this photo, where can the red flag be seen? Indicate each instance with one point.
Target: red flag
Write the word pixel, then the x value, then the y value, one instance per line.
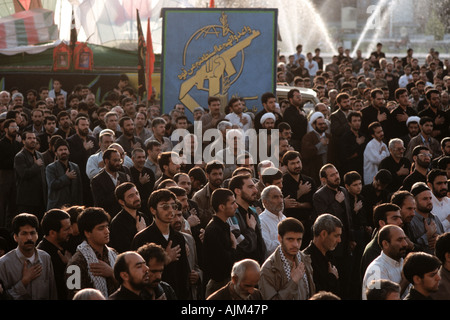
pixel 141 57
pixel 211 4
pixel 150 57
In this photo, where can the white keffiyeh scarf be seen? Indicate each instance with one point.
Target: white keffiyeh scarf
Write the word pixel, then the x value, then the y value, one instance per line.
pixel 89 254
pixel 287 268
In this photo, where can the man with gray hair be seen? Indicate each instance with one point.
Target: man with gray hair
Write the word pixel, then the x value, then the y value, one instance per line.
pixel 245 276
pixel 327 231
pixel 396 163
pixel 272 200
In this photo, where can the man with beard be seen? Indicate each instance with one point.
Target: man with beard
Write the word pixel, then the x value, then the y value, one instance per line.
pixel 63 179
pixel 425 225
pixel 214 176
pixel 434 112
pixel 438 183
pixel 396 164
pixel 245 276
pixel 405 200
pixel 237 116
pixel 65 128
pixel 422 271
pixel 383 214
pixel 412 124
pixel 93 258
pixel 287 274
pixel 327 230
pixel 105 182
pixel 245 224
pixel 10 146
pixel 375 151
pixel 82 146
pixel 27 272
pixel 129 220
pixel 351 145
pixel 142 177
pixel 170 164
pixel 272 200
pixel 388 265
pixel 30 178
pixel 179 224
pixel 295 116
pixel 331 198
pixel 155 257
pixel 131 272
pixel 49 131
pixel 128 140
pixel 57 230
pixel 36 126
pixel 376 111
pixel 421 156
pixel 315 146
pixel 339 125
pixel 298 190
pixel 424 138
pixel 445 147
pixel 162 204
pixel 400 115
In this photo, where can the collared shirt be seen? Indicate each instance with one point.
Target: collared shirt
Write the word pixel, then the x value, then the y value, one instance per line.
pixel 419 232
pixel 269 229
pixel 383 267
pixel 236 120
pixel 41 288
pixel 441 210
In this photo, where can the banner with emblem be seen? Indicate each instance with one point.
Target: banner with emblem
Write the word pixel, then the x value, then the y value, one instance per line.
pixel 217 52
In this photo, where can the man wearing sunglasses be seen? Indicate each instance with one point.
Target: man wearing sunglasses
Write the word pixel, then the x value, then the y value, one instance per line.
pixel 162 204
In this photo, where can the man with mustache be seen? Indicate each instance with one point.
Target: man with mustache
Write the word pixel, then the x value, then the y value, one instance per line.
pixel 82 145
pixel 327 231
pixel 30 178
pixel 332 198
pixel 63 179
pixel 438 183
pixel 245 224
pixel 129 220
pixel 27 272
pixel 425 225
pixel 93 258
pixel 388 265
pixel 155 257
pixel 131 271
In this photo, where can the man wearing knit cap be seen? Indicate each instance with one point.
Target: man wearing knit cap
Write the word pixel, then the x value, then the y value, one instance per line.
pixel 425 226
pixel 63 179
pixel 314 147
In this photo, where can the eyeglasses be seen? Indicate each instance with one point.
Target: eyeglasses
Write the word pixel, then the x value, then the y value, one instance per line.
pixel 167 206
pixel 429 155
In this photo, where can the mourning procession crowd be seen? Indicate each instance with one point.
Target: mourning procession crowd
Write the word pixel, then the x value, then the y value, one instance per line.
pixel 97 203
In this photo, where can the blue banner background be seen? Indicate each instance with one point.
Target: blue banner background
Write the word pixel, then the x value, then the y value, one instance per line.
pixel 216 48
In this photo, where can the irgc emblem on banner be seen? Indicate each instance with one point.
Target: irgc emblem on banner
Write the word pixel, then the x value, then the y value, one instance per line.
pixel 221 53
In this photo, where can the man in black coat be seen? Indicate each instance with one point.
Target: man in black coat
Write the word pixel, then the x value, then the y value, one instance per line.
pixel 30 178
pixel 82 146
pixel 106 181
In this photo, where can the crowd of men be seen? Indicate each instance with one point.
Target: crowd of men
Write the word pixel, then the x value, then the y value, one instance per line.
pixel 97 201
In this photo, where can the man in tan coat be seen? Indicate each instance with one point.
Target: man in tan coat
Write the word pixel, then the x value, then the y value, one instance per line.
pixel 287 273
